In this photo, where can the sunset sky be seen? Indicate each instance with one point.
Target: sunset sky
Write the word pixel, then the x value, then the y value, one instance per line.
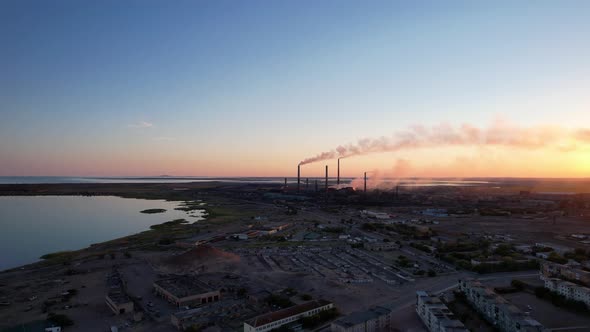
pixel 251 88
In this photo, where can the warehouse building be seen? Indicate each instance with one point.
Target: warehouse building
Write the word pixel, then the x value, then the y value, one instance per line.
pixel 276 319
pixel 186 291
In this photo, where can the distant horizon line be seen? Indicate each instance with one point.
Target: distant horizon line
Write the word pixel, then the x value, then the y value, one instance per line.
pixel 139 177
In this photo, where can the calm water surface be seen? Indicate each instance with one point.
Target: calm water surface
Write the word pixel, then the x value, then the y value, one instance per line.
pixel 31 226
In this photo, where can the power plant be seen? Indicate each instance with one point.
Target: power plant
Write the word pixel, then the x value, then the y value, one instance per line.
pixel 298 177
pixel 338 176
pixel 326 178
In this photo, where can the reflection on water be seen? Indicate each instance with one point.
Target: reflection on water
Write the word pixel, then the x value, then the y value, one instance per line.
pixel 31 226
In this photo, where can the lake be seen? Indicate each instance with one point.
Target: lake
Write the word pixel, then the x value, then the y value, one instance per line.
pixel 31 226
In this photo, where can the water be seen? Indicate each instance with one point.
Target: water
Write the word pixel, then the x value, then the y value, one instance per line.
pixel 31 226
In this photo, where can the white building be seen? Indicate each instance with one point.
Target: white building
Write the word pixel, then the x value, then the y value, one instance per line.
pixel 497 310
pixel 569 290
pixel 377 319
pixel 276 319
pixel 435 314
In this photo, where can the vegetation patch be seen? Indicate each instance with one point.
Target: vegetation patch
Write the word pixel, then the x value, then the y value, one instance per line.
pixel 153 211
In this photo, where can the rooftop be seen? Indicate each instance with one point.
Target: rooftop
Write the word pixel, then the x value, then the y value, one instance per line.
pixel 118 296
pixel 287 312
pixel 503 304
pixel 361 317
pixel 183 286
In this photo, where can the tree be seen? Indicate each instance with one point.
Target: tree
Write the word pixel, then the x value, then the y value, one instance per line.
pixel 518 284
pixel 60 319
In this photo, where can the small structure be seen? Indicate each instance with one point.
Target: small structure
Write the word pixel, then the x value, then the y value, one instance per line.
pixel 380 246
pixel 117 299
pixel 259 297
pixel 276 319
pixel 185 291
pixel 119 302
pixel 377 319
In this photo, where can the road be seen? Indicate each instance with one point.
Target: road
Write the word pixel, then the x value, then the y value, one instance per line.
pixel 442 284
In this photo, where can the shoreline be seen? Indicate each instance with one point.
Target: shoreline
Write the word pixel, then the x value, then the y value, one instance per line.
pixel 145 191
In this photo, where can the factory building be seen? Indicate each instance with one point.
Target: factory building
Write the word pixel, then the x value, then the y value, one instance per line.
pixel 435 314
pixel 377 319
pixel 497 310
pixel 553 270
pixel 569 290
pixel 276 319
pixel 185 291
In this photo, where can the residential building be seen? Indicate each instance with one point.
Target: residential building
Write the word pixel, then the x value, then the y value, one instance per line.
pixel 436 315
pixel 186 291
pixel 571 273
pixel 497 310
pixel 276 319
pixel 377 319
pixel 569 290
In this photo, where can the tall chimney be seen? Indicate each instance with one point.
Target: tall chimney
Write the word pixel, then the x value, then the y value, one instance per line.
pixel 307 184
pixel 298 177
pixel 316 185
pixel 365 182
pixel 338 178
pixel 326 177
pixel 285 182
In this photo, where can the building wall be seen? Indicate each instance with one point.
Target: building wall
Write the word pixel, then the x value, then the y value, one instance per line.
pixel 494 308
pixel 377 324
pixel 551 270
pixel 569 290
pixel 195 299
pixel 428 314
pixel 116 308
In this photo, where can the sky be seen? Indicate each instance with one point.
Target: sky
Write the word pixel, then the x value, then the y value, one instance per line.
pixel 252 88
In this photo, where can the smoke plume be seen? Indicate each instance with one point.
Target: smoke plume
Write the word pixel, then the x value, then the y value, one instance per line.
pixel 499 134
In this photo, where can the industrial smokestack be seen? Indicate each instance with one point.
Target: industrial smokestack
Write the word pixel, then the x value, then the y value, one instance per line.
pixel 316 185
pixel 365 182
pixel 285 182
pixel 307 184
pixel 338 178
pixel 326 177
pixel 298 177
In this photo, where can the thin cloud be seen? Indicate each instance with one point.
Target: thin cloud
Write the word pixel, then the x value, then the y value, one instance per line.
pixel 164 139
pixel 141 124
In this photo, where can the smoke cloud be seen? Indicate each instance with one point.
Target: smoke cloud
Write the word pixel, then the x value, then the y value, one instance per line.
pixel 499 134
